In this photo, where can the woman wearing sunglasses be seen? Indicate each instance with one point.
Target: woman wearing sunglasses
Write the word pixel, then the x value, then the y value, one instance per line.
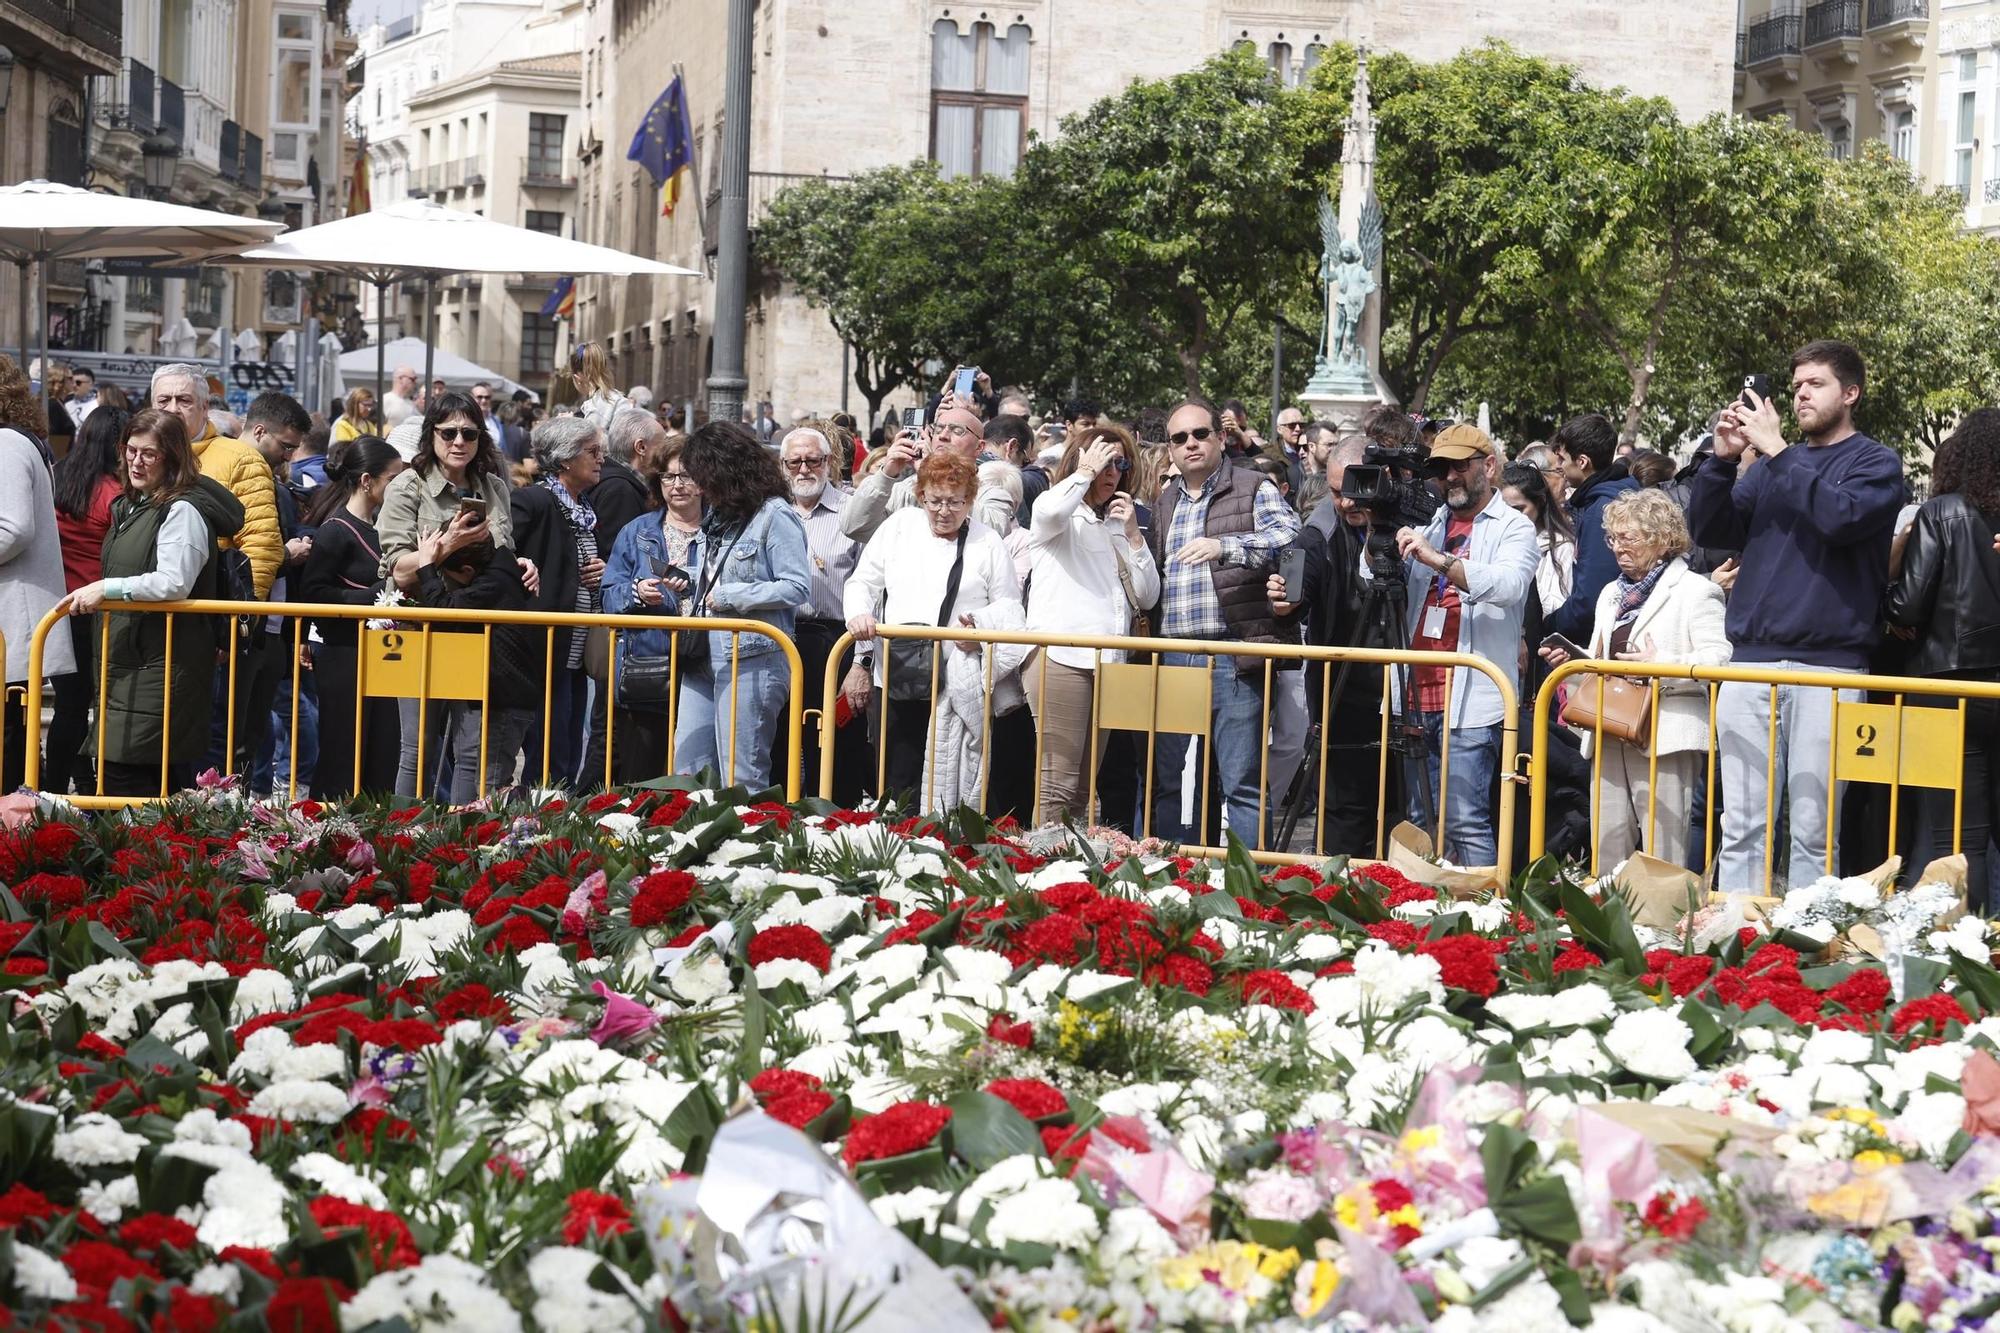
pixel 1090 572
pixel 455 488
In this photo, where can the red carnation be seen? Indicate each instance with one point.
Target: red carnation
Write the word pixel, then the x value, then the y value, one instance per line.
pixel 658 896
pixel 903 1128
pixel 1685 975
pixel 99 1265
pixel 412 1034
pixel 1465 962
pixel 1573 957
pixel 21 1204
pixel 1936 1010
pixel 801 942
pixel 519 933
pixel 390 1244
pixel 1030 1096
pixel 774 1083
pixel 150 1231
pixel 1183 972
pixel 671 811
pixel 1396 934
pixel 12 933
pixel 1072 896
pixel 1002 1028
pixel 58 893
pixel 799 1109
pixel 767 812
pixel 189 1313
pixel 307 1305
pixel 1057 938
pixel 54 841
pixel 471 1000
pixel 1272 987
pixel 594 1214
pixel 1865 991
pixel 1673 1218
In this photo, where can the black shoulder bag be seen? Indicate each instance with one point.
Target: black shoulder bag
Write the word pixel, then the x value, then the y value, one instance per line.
pixel 646 681
pixel 910 660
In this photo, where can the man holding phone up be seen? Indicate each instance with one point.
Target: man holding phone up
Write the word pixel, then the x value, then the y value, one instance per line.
pixel 1814 525
pixel 1470 573
pixel 956 428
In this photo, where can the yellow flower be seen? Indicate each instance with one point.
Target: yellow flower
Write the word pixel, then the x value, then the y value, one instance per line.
pixel 1316 1284
pixel 1181 1274
pixel 1870 1160
pixel 1406 1216
pixel 1277 1263
pixel 1420 1140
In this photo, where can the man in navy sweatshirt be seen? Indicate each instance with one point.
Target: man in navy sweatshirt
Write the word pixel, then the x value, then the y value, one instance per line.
pixel 1586 448
pixel 1813 521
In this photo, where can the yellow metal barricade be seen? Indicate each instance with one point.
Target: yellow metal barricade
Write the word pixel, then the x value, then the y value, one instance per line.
pixel 1155 700
pixel 1892 743
pixel 411 660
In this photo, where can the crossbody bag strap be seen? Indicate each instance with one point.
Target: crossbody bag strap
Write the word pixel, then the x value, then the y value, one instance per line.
pixel 710 572
pixel 957 573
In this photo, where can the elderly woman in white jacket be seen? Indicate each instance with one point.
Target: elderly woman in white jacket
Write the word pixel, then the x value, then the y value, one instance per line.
pixel 1656 610
pixel 1089 567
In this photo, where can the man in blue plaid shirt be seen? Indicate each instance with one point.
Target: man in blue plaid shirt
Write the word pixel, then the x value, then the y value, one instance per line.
pixel 1217 531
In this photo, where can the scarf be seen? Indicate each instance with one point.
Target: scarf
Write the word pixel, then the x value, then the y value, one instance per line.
pixel 1632 593
pixel 582 520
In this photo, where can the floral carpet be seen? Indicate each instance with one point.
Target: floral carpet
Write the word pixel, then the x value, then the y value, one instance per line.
pixel 682 1060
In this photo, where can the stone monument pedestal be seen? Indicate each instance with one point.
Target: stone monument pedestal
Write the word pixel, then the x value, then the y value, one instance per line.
pixel 1343 394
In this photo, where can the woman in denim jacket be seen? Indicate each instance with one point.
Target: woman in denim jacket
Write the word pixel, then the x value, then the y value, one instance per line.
pixel 749 563
pixel 660 538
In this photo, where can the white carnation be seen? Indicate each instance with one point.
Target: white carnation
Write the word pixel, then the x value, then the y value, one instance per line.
pixel 442 1293
pixel 337 1178
pixel 301 1100
pixel 108 1202
pixel 920 1204
pixel 1652 1042
pixel 96 1140
pixel 42 1276
pixel 567 1303
pixel 1049 1212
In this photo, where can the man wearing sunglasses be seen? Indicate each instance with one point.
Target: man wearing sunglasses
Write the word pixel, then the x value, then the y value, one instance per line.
pixel 82 395
pixel 1469 573
pixel 1217 530
pixel 956 428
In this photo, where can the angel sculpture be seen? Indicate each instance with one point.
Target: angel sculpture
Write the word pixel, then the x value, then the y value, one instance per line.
pixel 1348 270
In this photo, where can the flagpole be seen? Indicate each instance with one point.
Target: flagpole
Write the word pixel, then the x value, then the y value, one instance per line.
pixel 726 382
pixel 695 177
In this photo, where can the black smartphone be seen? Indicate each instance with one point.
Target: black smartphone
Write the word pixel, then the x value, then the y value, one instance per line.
pixel 1558 641
pixel 663 569
pixel 1292 569
pixel 1757 384
pixel 473 505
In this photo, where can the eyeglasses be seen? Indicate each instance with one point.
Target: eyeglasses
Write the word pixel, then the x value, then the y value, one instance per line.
pixel 942 506
pixel 955 431
pixel 81 379
pixel 672 479
pixel 1121 465
pixel 1182 436
pixel 457 434
pixel 804 464
pixel 482 400
pixel 1450 465
pixel 135 455
pixel 1624 542
pixel 1291 425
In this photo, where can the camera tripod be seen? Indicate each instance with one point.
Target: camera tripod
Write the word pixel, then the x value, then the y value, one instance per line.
pixel 1383 623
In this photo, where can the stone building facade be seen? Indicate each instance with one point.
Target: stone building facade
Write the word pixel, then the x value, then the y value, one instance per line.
pixel 841 88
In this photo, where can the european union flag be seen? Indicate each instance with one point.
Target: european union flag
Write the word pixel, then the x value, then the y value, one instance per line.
pixel 664 143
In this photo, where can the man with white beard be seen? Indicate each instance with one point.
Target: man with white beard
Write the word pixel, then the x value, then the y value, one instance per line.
pixel 807 457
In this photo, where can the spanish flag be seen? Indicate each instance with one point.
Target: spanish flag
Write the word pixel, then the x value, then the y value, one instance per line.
pixel 664 144
pixel 562 301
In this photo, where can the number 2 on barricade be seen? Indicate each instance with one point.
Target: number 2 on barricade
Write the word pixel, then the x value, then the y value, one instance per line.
pixel 1927 750
pixel 392 665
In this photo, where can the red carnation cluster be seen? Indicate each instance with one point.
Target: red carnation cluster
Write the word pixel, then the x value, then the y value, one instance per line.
pixel 801 942
pixel 1272 987
pixel 307 1305
pixel 1466 962
pixel 657 897
pixel 1933 1010
pixel 593 1214
pixel 1674 1218
pixel 390 1244
pixel 768 812
pixel 903 1128
pixel 797 1099
pixel 1004 1029
pixel 1030 1096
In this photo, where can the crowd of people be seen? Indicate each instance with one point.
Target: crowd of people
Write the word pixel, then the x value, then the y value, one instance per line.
pixel 1809 555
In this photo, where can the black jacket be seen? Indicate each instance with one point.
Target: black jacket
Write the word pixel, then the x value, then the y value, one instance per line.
pixel 515 663
pixel 1332 602
pixel 1950 590
pixel 618 497
pixel 542 534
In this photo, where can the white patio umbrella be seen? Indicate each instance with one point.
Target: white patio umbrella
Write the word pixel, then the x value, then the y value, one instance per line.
pixel 454 370
pixel 41 221
pixel 418 239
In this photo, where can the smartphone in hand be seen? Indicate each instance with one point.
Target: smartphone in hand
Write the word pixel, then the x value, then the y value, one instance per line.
pixel 1561 644
pixel 1292 569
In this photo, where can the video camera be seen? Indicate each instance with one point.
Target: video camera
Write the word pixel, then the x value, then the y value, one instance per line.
pixel 1388 483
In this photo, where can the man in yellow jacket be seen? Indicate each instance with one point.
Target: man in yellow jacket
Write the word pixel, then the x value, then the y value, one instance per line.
pixel 183 390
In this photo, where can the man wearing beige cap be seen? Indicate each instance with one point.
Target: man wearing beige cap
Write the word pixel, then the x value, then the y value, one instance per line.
pixel 1470 572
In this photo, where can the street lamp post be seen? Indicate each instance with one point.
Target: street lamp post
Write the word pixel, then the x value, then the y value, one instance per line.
pixel 162 153
pixel 726 381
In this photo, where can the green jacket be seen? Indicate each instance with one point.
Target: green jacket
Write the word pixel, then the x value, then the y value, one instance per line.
pixel 137 651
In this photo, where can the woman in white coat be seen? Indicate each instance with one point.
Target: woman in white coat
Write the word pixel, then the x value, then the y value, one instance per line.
pixel 31 571
pixel 1656 610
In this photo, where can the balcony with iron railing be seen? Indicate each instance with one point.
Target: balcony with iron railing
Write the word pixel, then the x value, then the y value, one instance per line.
pixel 1773 38
pixel 253 162
pixel 472 172
pixel 128 99
pixel 97 24
pixel 173 111
pixel 547 173
pixel 143 295
pixel 1887 13
pixel 1832 21
pixel 231 152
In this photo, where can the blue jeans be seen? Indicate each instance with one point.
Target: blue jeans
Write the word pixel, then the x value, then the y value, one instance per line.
pixel 1468 816
pixel 272 770
pixel 703 731
pixel 1236 730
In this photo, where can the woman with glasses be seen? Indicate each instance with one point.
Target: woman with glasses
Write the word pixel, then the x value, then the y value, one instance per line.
pixel 357 416
pixel 456 484
pixel 1656 610
pixel 749 563
pixel 637 581
pixel 1090 570
pixel 161 547
pixel 555 527
pixel 932 564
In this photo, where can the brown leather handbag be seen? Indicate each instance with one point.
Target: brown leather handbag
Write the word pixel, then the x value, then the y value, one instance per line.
pixel 1624 705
